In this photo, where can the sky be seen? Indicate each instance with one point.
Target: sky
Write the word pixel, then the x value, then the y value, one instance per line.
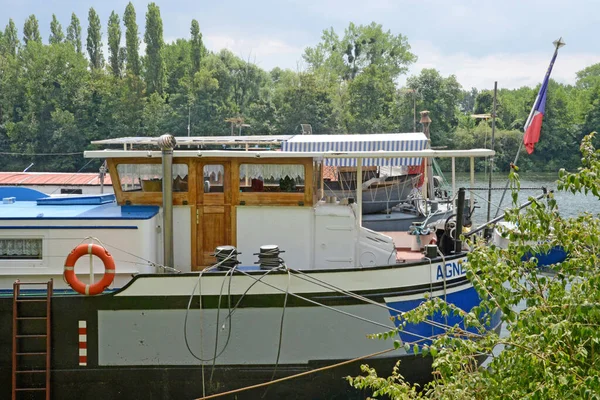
pixel 509 41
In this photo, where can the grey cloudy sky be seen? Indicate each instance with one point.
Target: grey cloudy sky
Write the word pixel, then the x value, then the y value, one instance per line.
pixel 478 41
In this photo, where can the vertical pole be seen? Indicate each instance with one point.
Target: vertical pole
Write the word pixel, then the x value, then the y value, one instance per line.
pixel 322 181
pixel 471 197
pixel 359 200
pixel 414 110
pixel 102 175
pixel 189 119
pixel 167 144
pixel 460 206
pixel 359 192
pixel 425 179
pixel 489 200
pixel 453 176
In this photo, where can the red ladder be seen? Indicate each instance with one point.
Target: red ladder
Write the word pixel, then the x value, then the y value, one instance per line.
pixel 31 340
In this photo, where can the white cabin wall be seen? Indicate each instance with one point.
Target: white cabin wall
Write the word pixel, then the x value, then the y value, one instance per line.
pixel 290 228
pixel 335 236
pixel 182 238
pixel 128 247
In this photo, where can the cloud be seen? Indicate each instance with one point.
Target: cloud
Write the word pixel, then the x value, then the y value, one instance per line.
pixel 510 70
pixel 265 51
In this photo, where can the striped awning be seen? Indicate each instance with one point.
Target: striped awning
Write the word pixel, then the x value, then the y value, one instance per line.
pixel 367 142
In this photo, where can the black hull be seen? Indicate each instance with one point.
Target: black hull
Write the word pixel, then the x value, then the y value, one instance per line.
pixel 186 382
pixel 99 380
pixel 176 382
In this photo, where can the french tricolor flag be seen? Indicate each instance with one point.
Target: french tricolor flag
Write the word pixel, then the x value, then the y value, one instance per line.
pixel 533 126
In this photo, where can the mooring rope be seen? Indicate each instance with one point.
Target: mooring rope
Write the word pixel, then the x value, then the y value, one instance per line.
pixel 312 371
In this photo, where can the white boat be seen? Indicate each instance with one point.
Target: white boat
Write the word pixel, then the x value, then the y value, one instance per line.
pixel 168 319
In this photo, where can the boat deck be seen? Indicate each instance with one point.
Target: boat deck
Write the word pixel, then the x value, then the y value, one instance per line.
pixel 403 250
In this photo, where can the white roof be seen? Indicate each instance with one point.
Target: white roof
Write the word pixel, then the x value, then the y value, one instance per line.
pixel 284 155
pixel 361 143
pixel 198 140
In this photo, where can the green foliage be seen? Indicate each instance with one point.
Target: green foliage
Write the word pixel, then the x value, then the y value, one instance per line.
pixel 11 39
pixel 115 53
pixel 132 41
pixel 56 32
pixel 74 33
pixel 441 97
pixel 361 47
pixel 198 49
pixel 94 40
pixel 551 350
pixel 31 30
pixel 350 86
pixel 154 62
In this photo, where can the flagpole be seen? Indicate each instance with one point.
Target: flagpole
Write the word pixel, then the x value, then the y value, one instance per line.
pixel 557 45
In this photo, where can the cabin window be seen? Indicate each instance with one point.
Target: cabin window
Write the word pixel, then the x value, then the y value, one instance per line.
pixel 213 177
pixel 282 178
pixel 148 177
pixel 20 249
pixel 71 191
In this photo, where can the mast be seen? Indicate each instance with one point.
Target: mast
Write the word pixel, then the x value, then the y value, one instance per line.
pixel 489 200
pixel 557 45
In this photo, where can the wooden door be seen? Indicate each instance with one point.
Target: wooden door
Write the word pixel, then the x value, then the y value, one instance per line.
pixel 213 210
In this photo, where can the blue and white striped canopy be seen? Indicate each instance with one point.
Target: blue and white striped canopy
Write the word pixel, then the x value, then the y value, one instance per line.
pixel 357 143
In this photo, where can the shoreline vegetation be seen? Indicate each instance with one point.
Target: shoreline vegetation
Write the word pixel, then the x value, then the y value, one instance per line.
pixel 59 93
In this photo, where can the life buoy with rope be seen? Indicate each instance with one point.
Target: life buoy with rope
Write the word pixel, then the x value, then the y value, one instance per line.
pixel 75 283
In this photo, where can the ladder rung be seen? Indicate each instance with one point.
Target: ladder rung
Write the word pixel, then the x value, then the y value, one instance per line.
pixel 31 371
pixel 32 336
pixel 28 389
pixel 32 283
pixel 32 300
pixel 42 353
pixel 31 318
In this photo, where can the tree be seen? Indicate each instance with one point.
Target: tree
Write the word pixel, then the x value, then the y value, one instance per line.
pixel 31 30
pixel 115 55
pixel 441 96
pixel 371 98
pixel 361 47
pixel 56 32
pixel 11 38
pixel 155 65
pixel 551 350
pixel 74 33
pixel 301 100
pixel 589 77
pixel 132 41
pixel 94 40
pixel 197 46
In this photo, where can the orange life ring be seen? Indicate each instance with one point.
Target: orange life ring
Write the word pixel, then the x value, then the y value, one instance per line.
pixel 75 283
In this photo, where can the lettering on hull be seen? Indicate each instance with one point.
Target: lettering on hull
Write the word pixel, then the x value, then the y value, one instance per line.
pixel 450 270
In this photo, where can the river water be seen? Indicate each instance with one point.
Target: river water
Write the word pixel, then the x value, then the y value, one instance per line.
pixel 569 205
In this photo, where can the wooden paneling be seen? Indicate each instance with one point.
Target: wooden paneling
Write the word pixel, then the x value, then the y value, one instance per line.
pixel 214 221
pixel 150 198
pixel 272 199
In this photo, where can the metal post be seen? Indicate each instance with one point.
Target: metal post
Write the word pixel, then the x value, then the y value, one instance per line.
pixel 359 192
pixel 428 182
pixel 471 197
pixel 167 144
pixel 102 174
pixel 453 176
pixel 460 205
pixel 489 205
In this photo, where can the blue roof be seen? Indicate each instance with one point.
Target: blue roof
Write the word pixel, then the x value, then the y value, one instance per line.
pixel 21 210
